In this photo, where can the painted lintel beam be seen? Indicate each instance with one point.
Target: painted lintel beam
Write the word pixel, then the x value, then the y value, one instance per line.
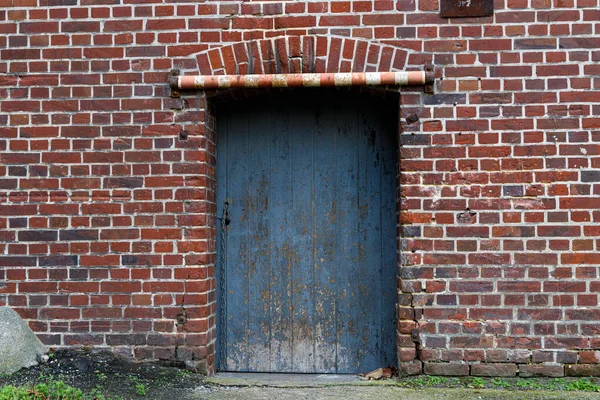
pixel 402 78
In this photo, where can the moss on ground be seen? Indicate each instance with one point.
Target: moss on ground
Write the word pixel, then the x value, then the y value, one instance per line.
pixel 551 384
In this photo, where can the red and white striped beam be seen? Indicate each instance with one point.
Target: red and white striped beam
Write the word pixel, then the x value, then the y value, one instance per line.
pixel 402 78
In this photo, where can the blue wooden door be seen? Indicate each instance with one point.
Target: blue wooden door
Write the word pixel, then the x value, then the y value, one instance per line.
pixel 309 276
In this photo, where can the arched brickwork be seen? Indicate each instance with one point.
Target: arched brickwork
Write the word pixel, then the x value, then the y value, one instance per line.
pixel 295 54
pixel 315 54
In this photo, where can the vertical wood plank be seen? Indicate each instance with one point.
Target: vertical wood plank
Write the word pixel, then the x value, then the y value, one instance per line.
pixel 325 165
pixel 280 220
pixel 369 232
pixel 237 244
pixel 302 125
pixel 346 236
pixel 258 239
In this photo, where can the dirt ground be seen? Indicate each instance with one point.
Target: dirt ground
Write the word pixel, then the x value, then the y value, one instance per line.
pixel 106 377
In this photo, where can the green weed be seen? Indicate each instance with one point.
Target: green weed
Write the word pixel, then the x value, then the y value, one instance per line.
pixel 97 393
pixel 555 384
pixel 500 383
pixel 49 388
pixel 53 389
pixel 101 376
pixel 528 384
pixel 422 382
pixel 476 383
pixel 183 372
pixel 435 380
pixel 417 382
pixel 140 388
pixel 583 384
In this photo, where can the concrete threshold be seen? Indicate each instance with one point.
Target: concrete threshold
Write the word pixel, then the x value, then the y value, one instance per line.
pixel 278 380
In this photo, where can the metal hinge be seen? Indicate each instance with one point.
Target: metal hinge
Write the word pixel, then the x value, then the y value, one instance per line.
pixel 415 336
pixel 429 71
pixel 173 75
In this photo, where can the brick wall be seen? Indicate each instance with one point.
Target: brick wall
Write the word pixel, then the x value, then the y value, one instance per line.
pixel 500 194
pixel 107 215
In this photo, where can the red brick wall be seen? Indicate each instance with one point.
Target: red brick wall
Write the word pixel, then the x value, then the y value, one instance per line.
pixel 500 185
pixel 107 216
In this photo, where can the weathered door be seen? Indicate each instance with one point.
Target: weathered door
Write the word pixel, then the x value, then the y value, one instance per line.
pixel 309 281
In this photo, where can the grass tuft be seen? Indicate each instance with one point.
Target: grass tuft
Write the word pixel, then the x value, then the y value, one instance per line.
pixel 583 384
pixel 50 390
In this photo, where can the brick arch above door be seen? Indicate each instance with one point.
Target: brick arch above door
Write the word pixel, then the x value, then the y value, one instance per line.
pixel 306 54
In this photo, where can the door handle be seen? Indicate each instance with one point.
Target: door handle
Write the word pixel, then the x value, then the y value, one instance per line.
pixel 225 217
